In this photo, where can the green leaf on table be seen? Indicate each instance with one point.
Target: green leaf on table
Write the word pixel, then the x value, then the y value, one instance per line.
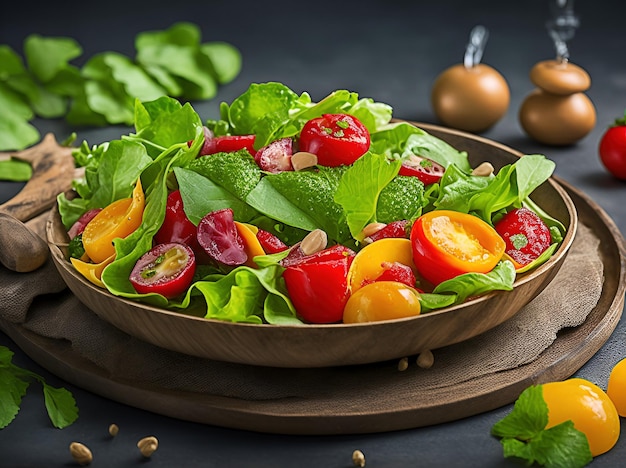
pixel 10 63
pixel 176 51
pixel 523 435
pixel 44 103
pixel 226 60
pixel 61 406
pixel 15 170
pixel 14 381
pixel 47 56
pixel 16 132
pixel 12 389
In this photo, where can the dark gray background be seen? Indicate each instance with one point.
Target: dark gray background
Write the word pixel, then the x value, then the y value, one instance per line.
pixel 390 51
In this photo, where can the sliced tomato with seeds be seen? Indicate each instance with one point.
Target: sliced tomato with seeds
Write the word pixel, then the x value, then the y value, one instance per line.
pixel 167 269
pixel 276 156
pixel 425 169
pixel 218 236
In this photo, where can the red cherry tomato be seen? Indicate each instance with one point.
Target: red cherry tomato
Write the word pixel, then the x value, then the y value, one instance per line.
pixel 317 284
pixel 525 234
pixel 176 226
pixel 218 236
pixel 393 229
pixel 226 143
pixel 275 157
pixel 425 169
pixel 79 226
pixel 336 139
pixel 269 242
pixel 398 272
pixel 612 149
pixel 167 269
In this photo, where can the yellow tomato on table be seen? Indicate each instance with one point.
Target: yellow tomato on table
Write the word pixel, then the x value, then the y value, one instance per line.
pixel 617 387
pixel 117 220
pixel 588 407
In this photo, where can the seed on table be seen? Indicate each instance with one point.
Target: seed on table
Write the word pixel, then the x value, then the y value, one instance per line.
pixel 113 430
pixel 403 364
pixel 358 458
pixel 148 445
pixel 80 453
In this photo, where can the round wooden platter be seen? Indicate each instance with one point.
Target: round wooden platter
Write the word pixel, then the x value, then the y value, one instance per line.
pixel 365 398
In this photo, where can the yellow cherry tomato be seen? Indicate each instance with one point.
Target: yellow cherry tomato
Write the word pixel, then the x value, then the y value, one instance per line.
pixel 117 220
pixel 617 387
pixel 588 407
pixel 368 264
pixel 92 271
pixel 382 300
pixel 250 242
pixel 450 243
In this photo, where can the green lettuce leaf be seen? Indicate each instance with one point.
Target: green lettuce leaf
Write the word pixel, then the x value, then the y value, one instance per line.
pixel 360 187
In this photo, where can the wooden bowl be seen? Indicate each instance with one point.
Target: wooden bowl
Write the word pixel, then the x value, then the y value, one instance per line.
pixel 337 344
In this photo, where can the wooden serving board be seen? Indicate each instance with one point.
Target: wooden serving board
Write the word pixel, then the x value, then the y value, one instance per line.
pixel 350 404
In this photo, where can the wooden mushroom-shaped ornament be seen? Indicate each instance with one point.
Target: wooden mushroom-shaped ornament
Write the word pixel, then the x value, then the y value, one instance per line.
pixel 558 112
pixel 471 96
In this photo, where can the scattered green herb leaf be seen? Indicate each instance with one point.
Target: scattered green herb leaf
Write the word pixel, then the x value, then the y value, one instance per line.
pixel 14 382
pixel 523 435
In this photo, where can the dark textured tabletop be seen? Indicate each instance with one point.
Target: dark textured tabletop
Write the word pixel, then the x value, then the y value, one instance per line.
pixel 388 50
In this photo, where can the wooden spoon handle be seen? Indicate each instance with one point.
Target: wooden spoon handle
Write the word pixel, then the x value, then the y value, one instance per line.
pixel 53 171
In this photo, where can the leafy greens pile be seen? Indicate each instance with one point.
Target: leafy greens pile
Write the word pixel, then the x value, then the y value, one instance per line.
pixel 173 62
pixel 341 200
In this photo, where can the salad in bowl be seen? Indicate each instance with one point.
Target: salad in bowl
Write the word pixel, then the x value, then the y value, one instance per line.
pixel 286 211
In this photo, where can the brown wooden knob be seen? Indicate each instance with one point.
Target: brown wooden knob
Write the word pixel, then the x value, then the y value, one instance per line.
pixel 561 78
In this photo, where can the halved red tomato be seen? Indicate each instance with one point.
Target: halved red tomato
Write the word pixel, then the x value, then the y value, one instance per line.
pixel 317 284
pixel 425 169
pixel 167 269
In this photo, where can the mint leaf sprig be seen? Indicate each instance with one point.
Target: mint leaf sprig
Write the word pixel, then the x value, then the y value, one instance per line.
pixel 14 382
pixel 523 435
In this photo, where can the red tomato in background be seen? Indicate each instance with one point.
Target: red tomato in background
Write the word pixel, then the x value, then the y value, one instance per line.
pixel 336 139
pixel 167 269
pixel 317 284
pixel 612 149
pixel 425 169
